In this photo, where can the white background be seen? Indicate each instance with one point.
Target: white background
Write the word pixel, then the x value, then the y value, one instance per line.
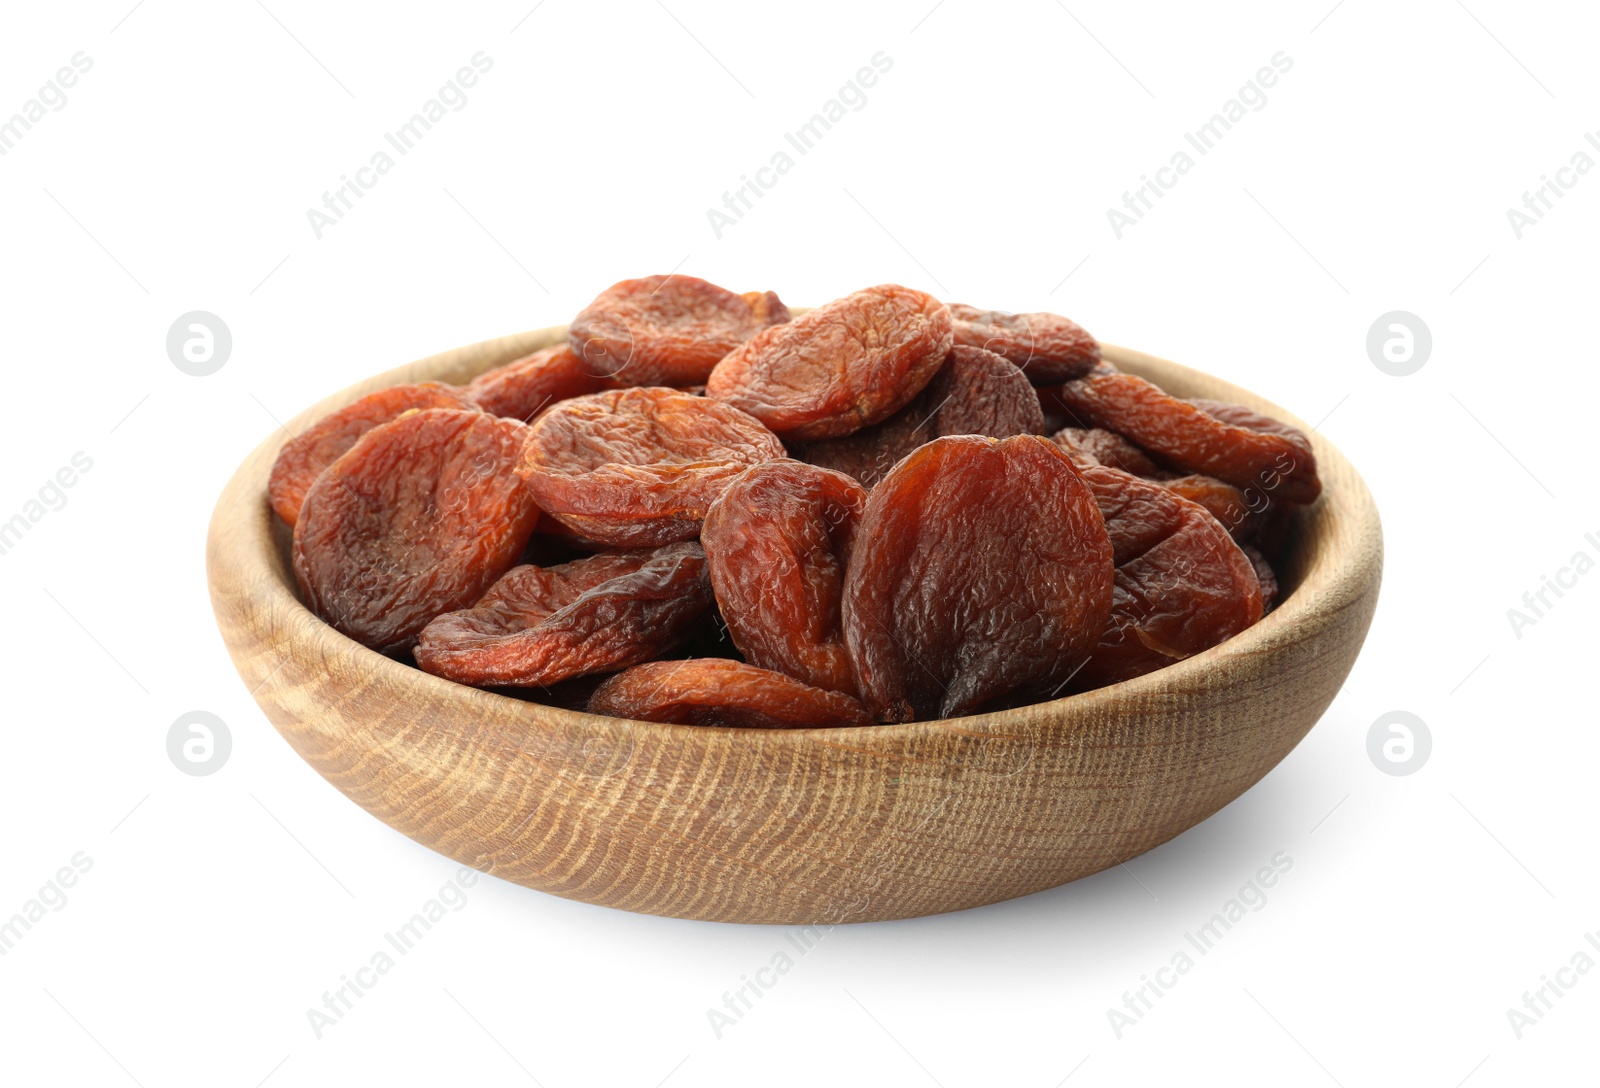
pixel 1376 178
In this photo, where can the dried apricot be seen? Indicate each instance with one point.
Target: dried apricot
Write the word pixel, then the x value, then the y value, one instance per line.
pixel 667 330
pixel 1182 584
pixel 1277 459
pixel 974 392
pixel 714 691
pixel 979 392
pixel 1107 448
pixel 767 307
pixel 419 517
pixel 1049 348
pixel 869 454
pixel 527 386
pixel 843 366
pixel 542 625
pixel 1265 575
pixel 777 542
pixel 637 467
pixel 1241 511
pixel 981 569
pixel 303 457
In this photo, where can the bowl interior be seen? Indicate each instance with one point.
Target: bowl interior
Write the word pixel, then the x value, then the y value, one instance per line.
pixel 1305 544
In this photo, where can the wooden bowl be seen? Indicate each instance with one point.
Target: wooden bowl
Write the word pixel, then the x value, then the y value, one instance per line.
pixel 800 826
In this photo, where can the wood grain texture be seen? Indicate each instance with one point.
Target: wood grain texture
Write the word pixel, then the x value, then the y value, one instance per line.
pixel 799 826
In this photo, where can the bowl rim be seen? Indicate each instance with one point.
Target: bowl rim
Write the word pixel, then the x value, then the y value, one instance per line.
pixel 260 569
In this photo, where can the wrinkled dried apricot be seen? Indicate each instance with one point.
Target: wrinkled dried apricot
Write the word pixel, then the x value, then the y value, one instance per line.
pixel 525 387
pixel 1265 575
pixel 869 454
pixel 542 625
pixel 1049 348
pixel 974 392
pixel 714 691
pixel 637 467
pixel 777 542
pixel 978 392
pixel 304 457
pixel 843 366
pixel 1276 459
pixel 1242 512
pixel 667 330
pixel 1108 448
pixel 419 517
pixel 981 569
pixel 1182 584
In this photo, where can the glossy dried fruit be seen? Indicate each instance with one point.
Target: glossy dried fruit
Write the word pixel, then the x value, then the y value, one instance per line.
pixel 1049 348
pixel 1278 460
pixel 667 330
pixel 981 569
pixel 1182 584
pixel 843 366
pixel 303 458
pixel 525 387
pixel 542 625
pixel 637 467
pixel 974 392
pixel 1107 448
pixel 419 517
pixel 714 691
pixel 777 542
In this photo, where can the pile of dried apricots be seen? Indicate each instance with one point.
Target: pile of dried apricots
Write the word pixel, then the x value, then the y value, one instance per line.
pixel 701 509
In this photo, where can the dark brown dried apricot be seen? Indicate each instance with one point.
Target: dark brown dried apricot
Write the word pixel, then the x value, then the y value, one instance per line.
pixel 777 542
pixel 981 569
pixel 1108 448
pixel 974 392
pixel 542 625
pixel 1049 348
pixel 639 467
pixel 1241 511
pixel 1278 460
pixel 527 386
pixel 869 454
pixel 304 457
pixel 843 366
pixel 1265 575
pixel 979 392
pixel 667 330
pixel 714 691
pixel 419 517
pixel 1182 584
